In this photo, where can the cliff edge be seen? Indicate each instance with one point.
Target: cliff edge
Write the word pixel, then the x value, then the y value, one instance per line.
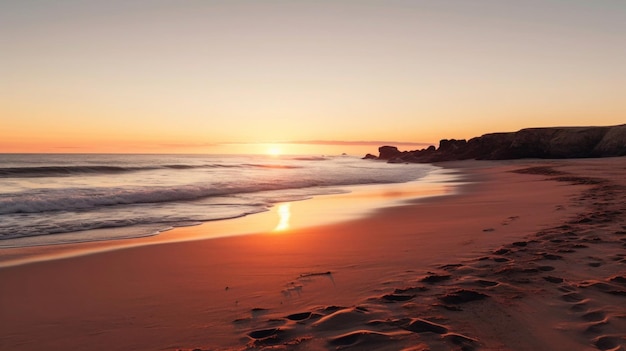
pixel 555 143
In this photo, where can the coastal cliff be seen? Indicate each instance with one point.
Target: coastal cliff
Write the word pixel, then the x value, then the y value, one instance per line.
pixel 553 143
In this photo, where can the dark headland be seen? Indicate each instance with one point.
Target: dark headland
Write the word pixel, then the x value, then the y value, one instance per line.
pixel 549 143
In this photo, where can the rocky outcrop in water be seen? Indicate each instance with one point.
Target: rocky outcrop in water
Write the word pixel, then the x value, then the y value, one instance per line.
pixel 556 143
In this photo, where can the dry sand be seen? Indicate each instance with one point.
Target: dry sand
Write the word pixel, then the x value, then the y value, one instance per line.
pixel 530 260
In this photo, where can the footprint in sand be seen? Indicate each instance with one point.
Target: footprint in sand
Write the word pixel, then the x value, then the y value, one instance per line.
pixel 595 261
pixel 465 342
pixel 595 327
pixel 579 306
pixel 361 339
pixel 618 279
pixel 462 296
pixel 550 256
pixel 299 316
pixel 433 278
pixel 545 268
pixel 594 316
pixel 264 333
pixel 487 283
pixel 604 287
pixel 501 251
pixel 410 290
pixel 573 297
pixel 509 220
pixel 553 279
pixel 419 325
pixel 609 342
pixel 397 297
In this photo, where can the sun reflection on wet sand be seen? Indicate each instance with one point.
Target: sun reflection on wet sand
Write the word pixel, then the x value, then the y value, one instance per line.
pixel 284 213
pixel 357 201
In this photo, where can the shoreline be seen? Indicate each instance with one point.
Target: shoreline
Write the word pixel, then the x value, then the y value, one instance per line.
pixel 314 211
pixel 400 266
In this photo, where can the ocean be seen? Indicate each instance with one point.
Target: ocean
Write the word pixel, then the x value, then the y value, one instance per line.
pixel 48 199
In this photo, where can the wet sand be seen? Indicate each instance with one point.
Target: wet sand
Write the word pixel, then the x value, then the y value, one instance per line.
pixel 531 257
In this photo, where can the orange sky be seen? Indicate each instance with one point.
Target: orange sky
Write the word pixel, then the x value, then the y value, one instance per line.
pixel 237 76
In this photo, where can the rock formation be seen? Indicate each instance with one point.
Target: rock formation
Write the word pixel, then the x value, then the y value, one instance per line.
pixel 557 142
pixel 388 152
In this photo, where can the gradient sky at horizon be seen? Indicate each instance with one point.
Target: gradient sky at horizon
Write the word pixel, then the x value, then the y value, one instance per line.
pixel 237 76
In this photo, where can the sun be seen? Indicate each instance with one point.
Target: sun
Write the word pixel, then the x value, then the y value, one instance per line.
pixel 274 151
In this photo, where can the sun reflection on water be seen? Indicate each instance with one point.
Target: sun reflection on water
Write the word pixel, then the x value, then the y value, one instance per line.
pixel 284 213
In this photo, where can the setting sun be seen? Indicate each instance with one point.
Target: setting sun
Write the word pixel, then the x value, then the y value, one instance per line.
pixel 274 150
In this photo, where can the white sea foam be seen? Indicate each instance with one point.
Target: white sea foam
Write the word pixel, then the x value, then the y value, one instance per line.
pixel 56 194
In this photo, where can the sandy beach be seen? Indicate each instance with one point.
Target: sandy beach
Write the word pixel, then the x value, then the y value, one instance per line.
pixel 530 255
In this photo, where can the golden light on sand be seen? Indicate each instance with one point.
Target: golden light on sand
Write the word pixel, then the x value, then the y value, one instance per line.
pixel 284 213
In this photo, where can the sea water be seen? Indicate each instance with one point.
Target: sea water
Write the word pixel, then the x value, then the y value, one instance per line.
pixel 58 198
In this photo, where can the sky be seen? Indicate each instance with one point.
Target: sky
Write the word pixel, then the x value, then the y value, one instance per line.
pixel 148 76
